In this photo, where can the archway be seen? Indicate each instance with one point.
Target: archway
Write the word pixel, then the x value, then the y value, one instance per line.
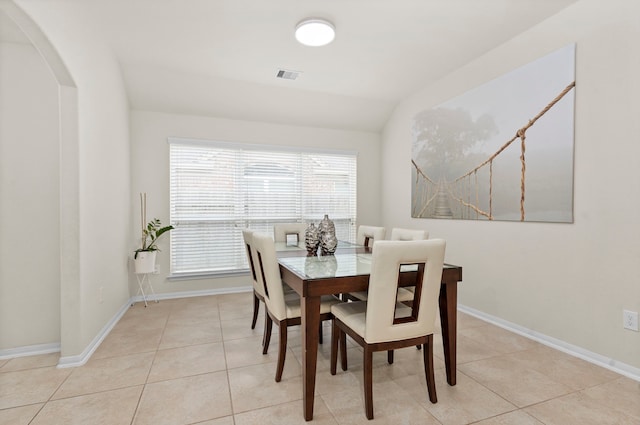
pixel 69 262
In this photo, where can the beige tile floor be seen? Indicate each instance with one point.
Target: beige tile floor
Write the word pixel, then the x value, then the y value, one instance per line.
pixel 196 361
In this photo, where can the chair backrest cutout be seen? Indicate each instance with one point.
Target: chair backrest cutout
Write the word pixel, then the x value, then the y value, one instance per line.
pixel 247 235
pixel 265 288
pixel 415 303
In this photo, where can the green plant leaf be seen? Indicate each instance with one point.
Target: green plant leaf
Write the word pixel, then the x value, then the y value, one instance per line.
pixel 163 230
pixel 151 234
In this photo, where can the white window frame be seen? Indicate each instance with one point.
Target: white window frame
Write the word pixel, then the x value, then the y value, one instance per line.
pixel 219 188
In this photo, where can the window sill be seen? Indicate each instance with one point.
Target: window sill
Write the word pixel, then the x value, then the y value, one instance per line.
pixel 208 275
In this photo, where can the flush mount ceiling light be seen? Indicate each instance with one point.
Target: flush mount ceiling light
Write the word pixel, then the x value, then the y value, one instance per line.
pixel 315 32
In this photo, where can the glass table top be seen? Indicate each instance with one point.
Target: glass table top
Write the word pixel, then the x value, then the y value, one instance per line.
pixel 300 246
pixel 344 263
pixel 324 266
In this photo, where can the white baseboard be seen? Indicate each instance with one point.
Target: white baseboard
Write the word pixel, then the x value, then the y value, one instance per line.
pixel 79 360
pixel 30 350
pixel 597 359
pixel 188 294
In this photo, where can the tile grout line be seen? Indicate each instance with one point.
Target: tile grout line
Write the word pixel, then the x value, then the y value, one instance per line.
pixel 146 380
pixel 226 365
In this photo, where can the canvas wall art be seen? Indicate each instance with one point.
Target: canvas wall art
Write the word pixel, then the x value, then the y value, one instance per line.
pixel 502 151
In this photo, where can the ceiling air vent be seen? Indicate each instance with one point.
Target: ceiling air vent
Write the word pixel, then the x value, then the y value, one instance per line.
pixel 287 75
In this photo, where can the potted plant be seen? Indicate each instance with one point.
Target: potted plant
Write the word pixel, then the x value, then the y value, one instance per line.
pixel 145 256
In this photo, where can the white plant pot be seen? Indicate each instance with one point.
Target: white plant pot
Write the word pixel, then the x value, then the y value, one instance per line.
pixel 145 262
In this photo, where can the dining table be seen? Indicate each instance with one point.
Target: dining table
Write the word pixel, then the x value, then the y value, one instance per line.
pixel 347 270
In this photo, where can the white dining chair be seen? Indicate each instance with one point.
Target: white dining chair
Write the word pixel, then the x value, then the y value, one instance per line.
pixel 367 235
pixel 382 323
pixel 258 293
pixel 400 234
pixel 282 230
pixel 284 311
pixel 258 287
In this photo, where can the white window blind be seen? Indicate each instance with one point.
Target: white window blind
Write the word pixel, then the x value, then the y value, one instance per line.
pixel 217 189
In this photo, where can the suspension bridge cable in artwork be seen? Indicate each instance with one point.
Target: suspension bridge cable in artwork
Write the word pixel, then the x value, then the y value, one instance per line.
pixel 464 187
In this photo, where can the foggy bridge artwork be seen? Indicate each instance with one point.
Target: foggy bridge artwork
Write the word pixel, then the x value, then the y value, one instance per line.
pixel 502 151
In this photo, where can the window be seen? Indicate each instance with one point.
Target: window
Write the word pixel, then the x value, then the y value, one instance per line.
pixel 217 189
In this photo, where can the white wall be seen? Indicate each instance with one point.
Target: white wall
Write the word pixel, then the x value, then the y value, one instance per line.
pixel 565 281
pixel 29 200
pixel 150 171
pixel 95 174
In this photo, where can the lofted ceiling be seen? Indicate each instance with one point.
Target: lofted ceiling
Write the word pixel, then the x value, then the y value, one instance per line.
pixel 220 57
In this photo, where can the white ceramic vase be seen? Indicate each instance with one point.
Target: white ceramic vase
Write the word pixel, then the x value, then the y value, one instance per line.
pixel 145 262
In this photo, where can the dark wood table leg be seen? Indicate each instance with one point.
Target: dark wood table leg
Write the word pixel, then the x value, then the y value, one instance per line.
pixel 448 320
pixel 310 322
